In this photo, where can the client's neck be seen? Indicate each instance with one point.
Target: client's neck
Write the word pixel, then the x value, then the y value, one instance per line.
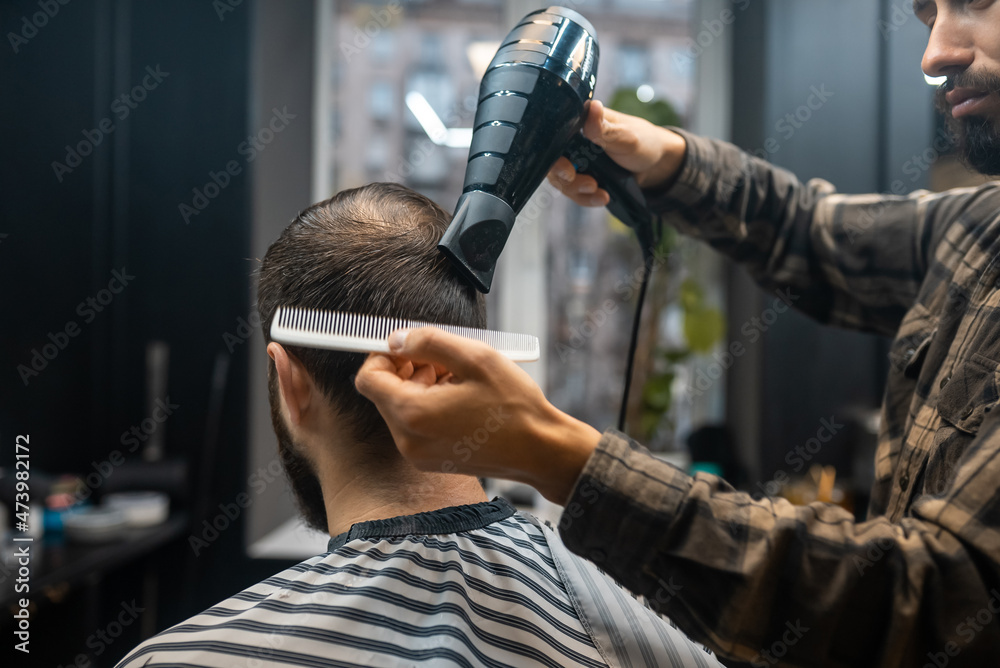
pixel 356 489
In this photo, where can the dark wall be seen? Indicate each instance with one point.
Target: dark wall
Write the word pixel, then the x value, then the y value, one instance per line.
pixel 118 209
pixel 57 248
pixel 865 58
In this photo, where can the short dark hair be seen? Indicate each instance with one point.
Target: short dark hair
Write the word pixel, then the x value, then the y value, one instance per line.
pixel 369 250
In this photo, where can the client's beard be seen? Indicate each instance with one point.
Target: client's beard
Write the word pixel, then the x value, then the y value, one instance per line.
pixel 978 136
pixel 303 480
pixel 298 469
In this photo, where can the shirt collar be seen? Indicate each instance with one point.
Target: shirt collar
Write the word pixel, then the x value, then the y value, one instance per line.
pixel 446 520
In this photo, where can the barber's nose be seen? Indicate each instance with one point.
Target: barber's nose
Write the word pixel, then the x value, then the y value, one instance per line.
pixel 949 47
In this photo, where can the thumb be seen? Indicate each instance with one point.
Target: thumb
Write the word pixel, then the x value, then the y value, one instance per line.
pixel 593 126
pixel 612 130
pixel 430 345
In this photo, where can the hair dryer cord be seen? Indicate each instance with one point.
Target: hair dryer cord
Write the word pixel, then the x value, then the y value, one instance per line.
pixel 647 268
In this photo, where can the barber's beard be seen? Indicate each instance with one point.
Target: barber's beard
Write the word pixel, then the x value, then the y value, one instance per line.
pixel 978 137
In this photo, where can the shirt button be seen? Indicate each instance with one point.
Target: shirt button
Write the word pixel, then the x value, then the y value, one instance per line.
pixel 597 556
pixel 904 481
pixel 944 381
pixel 967 411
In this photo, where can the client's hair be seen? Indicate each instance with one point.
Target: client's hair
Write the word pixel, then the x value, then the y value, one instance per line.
pixel 370 250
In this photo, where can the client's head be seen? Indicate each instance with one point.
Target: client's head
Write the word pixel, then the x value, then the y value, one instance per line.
pixel 369 250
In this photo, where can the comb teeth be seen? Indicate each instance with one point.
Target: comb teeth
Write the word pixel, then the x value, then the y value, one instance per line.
pixel 352 332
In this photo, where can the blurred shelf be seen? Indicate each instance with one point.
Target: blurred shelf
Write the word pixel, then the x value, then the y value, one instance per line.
pixel 56 563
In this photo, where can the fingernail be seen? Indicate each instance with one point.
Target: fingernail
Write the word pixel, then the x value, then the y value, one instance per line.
pixel 597 200
pixel 565 176
pixel 588 188
pixel 397 339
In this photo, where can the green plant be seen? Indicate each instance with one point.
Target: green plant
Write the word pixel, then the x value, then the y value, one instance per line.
pixel 656 366
pixel 657 112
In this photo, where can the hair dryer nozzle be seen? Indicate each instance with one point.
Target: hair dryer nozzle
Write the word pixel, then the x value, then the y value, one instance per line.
pixel 477 235
pixel 532 100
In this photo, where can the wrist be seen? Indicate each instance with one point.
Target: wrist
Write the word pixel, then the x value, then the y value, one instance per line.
pixel 563 445
pixel 672 149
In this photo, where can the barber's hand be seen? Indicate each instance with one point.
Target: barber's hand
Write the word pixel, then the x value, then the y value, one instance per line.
pixel 456 405
pixel 652 153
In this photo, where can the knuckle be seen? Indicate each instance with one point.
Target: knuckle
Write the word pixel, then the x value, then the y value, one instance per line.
pixel 423 337
pixel 433 334
pixel 482 357
pixel 628 140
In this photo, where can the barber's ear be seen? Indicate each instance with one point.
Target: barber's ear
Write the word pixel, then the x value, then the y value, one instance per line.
pixel 293 381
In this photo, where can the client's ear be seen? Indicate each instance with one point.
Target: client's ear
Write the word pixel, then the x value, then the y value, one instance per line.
pixel 294 383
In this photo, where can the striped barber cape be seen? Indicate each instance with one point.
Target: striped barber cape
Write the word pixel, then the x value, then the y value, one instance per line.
pixel 476 585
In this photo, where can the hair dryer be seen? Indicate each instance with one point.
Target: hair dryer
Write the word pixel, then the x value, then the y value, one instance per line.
pixel 533 101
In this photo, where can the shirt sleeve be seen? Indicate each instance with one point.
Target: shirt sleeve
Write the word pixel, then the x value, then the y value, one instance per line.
pixel 765 580
pixel 856 261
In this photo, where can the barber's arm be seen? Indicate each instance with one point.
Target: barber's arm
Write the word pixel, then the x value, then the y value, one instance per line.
pixel 760 580
pixel 851 260
pixel 741 576
pixel 443 388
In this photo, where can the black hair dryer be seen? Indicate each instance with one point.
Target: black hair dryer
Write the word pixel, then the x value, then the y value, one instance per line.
pixel 533 102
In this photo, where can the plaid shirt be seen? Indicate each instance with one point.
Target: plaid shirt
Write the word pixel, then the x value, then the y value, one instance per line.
pixel 765 581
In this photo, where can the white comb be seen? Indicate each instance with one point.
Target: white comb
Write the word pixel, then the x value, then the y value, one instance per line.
pixel 350 332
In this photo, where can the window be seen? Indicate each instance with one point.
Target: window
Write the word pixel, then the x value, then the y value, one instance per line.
pixel 633 66
pixel 411 131
pixel 381 101
pixel 383 47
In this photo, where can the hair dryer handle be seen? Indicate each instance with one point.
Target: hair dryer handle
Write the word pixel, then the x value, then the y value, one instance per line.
pixel 628 203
